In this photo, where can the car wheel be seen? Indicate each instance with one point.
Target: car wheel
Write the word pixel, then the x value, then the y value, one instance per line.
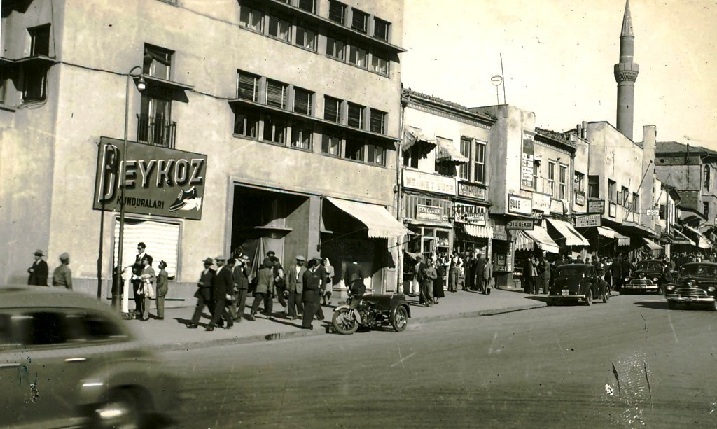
pixel 671 305
pixel 344 321
pixel 713 305
pixel 589 298
pixel 399 318
pixel 121 410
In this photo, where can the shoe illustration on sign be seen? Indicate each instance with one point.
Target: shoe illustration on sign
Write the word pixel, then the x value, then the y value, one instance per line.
pixel 186 200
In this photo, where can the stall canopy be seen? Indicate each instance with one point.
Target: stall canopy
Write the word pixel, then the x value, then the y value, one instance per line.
pixel 377 219
pixel 478 231
pixel 447 151
pixel 611 233
pixel 651 244
pixel 522 241
pixel 542 239
pixel 571 235
pixel 702 241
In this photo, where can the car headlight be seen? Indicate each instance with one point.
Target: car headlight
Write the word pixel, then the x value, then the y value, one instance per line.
pixel 711 288
pixel 671 287
pixel 654 279
pixel 690 283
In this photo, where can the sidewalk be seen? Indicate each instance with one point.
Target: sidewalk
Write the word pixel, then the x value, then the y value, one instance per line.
pixel 172 333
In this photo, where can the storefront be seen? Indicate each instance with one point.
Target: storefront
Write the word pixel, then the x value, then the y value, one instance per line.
pixel 472 230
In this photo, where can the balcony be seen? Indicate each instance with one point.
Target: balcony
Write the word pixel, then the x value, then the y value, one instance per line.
pixel 156 131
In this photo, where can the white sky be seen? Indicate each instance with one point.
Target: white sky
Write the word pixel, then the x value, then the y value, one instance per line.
pixel 558 58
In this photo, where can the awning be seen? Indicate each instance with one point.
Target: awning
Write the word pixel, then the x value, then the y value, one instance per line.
pixel 377 219
pixel 522 241
pixel 651 244
pixel 681 238
pixel 542 239
pixel 702 241
pixel 611 233
pixel 447 151
pixel 572 236
pixel 478 231
pixel 411 135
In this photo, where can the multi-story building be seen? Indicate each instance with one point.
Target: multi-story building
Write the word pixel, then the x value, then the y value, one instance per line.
pixel 271 125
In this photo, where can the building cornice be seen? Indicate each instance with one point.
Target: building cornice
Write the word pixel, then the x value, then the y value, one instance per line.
pixel 447 109
pixel 555 139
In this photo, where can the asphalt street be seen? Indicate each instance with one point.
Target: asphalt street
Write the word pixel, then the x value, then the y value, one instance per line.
pixel 630 363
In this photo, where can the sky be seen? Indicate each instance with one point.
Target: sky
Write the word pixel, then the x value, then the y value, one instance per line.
pixel 558 58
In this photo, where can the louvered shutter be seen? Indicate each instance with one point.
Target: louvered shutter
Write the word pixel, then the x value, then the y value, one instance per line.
pixel 247 86
pixel 275 94
pixel 162 240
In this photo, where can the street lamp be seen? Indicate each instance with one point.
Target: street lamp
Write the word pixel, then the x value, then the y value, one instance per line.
pixel 134 73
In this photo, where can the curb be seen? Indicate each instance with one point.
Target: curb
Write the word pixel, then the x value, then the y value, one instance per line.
pixel 325 328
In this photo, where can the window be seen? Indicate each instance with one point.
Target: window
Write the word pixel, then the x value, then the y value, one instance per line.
pixel 579 183
pixel 155 124
pixel 706 210
pixel 375 154
pixel 707 178
pixel 3 85
pixel 380 29
pixel 612 191
pixel 247 86
pixel 562 182
pixel 337 11
pixel 157 62
pixel 246 123
pixel 305 38
pixel 359 21
pixel 274 129
pixel 479 162
pixel 379 63
pixel 303 101
pixel 625 194
pixel 276 94
pixel 301 136
pixel 635 202
pixel 332 109
pixel 307 5
pixel 410 156
pixel 357 56
pixel 331 144
pixel 39 40
pixel 354 149
pixel 34 84
pixel 355 116
pixel 463 170
pixel 551 178
pixel 279 28
pixel 593 186
pixel 378 121
pixel 335 48
pixel 250 18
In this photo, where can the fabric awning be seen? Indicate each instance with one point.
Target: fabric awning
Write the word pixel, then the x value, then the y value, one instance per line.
pixel 702 241
pixel 411 135
pixel 681 238
pixel 651 244
pixel 478 231
pixel 522 241
pixel 446 151
pixel 611 233
pixel 377 219
pixel 542 239
pixel 571 235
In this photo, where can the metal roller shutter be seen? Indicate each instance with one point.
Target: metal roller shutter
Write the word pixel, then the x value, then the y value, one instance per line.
pixel 161 238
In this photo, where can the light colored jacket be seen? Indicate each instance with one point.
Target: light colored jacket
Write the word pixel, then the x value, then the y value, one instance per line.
pixel 294 284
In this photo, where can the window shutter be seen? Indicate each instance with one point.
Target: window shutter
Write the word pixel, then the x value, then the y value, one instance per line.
pixel 332 110
pixel 302 101
pixel 377 121
pixel 358 22
pixel 247 87
pixel 336 12
pixel 162 241
pixel 275 94
pixel 355 114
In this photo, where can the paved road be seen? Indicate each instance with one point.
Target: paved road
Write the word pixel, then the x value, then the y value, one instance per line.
pixel 629 363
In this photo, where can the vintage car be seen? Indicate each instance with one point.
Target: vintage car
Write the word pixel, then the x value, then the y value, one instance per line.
pixel 696 284
pixel 577 283
pixel 646 277
pixel 67 360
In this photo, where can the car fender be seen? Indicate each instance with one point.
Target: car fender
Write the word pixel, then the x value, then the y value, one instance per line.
pixel 357 314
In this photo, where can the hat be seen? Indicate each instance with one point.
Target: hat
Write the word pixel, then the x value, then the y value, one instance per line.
pixel 38 252
pixel 209 261
pixel 220 258
pixel 65 256
pixel 270 253
pixel 300 258
pixel 162 264
pixel 142 245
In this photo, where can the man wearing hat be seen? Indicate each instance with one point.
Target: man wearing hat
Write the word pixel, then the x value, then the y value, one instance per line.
pixel 204 292
pixel 38 270
pixel 311 297
pixel 241 283
pixel 294 278
pixel 62 277
pixel 223 285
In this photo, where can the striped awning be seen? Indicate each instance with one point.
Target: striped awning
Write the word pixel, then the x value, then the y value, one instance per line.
pixel 478 231
pixel 542 239
pixel 447 151
pixel 378 220
pixel 651 244
pixel 702 241
pixel 570 234
pixel 522 241
pixel 611 233
pixel 681 238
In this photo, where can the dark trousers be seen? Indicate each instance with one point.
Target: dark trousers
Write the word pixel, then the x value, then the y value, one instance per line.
pixel 426 290
pixel 160 307
pixel 280 296
pixel 220 312
pixel 138 299
pixel 201 303
pixel 295 304
pixel 240 304
pixel 258 298
pixel 310 310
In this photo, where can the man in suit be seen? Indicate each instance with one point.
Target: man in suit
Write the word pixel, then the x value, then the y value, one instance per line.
pixel 421 278
pixel 241 283
pixel 137 277
pixel 38 271
pixel 311 293
pixel 294 280
pixel 353 278
pixel 223 285
pixel 204 292
pixel 480 267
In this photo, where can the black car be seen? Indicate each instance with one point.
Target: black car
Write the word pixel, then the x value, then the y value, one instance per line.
pixel 696 283
pixel 577 283
pixel 647 277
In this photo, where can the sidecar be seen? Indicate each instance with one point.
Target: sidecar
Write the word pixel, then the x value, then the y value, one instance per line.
pixel 391 308
pixel 371 312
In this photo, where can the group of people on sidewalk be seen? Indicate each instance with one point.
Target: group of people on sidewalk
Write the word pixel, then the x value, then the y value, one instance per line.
pixel 39 271
pixel 432 276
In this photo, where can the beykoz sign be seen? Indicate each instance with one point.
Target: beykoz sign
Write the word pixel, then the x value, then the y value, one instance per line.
pixel 157 180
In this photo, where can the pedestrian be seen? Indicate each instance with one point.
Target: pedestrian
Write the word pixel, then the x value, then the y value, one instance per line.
pixel 528 276
pixel 454 272
pixel 429 276
pixel 204 292
pixel 38 270
pixel 221 292
pixel 439 282
pixel 63 275
pixel 146 289
pixel 480 267
pixel 470 267
pixel 310 293
pixel 231 304
pixel 279 282
pixel 264 289
pixel 137 278
pixel 544 274
pixel 294 282
pixel 487 276
pixel 162 289
pixel 617 275
pixel 353 278
pixel 241 282
pixel 328 284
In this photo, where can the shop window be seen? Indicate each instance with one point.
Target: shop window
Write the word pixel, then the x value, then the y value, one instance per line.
pixel 380 29
pixel 250 18
pixel 379 63
pixel 337 12
pixel 355 117
pixel 279 28
pixel 157 62
pixel 276 94
pixel 331 144
pixel 593 186
pixel 305 38
pixel 359 21
pixel 248 86
pixel 246 122
pixel 332 109
pixel 274 129
pixel 301 136
pixel 563 181
pixel 303 101
pixel 378 121
pixel 357 56
pixel 335 48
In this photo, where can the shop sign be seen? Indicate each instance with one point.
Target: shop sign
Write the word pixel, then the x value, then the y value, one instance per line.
pixel 558 206
pixel 527 163
pixel 156 180
pixel 429 182
pixel 523 225
pixel 541 203
pixel 517 204
pixel 596 206
pixel 587 221
pixel 470 214
pixel 471 190
pixel 432 213
pixel 580 199
pixel 500 233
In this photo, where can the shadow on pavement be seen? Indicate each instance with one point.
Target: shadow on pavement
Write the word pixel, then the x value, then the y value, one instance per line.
pixel 662 305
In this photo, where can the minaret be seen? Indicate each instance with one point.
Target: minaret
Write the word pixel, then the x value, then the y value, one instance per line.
pixel 625 76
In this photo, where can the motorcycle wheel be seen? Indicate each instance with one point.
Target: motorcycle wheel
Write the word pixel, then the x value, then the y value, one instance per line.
pixel 399 318
pixel 344 321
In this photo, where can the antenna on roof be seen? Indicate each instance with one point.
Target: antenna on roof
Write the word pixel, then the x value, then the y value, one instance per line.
pixel 502 73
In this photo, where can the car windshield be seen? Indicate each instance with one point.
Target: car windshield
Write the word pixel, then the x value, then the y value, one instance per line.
pixel 699 270
pixel 568 270
pixel 649 266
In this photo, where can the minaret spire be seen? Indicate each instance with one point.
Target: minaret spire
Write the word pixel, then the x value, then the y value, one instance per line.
pixel 626 72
